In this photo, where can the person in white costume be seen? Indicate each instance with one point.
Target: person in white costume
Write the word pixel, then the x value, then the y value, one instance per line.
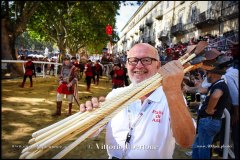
pixel 151 125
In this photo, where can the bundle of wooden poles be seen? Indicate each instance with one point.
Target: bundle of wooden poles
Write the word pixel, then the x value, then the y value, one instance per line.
pixel 88 123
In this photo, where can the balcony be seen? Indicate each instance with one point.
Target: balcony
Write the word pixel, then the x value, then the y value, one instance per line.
pixel 162 35
pixel 189 27
pixel 136 32
pixel 149 21
pixel 159 14
pixel 177 29
pixel 229 34
pixel 149 40
pixel 141 27
pixel 209 17
pixel 230 12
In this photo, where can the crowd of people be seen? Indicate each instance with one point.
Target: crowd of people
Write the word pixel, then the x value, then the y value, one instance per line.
pixel 174 51
pixel 215 86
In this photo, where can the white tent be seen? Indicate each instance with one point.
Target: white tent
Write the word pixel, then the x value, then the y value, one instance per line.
pixel 54 57
pixel 46 51
pixel 31 55
pixel 40 56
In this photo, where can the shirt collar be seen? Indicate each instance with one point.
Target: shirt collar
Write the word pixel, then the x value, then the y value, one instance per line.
pixel 229 69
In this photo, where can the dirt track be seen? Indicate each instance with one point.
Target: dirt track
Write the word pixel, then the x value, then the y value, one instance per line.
pixel 26 110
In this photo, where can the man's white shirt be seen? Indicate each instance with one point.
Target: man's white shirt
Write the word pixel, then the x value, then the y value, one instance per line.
pixel 151 138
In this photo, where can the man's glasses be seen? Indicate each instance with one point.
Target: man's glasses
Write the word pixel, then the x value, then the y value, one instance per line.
pixel 145 60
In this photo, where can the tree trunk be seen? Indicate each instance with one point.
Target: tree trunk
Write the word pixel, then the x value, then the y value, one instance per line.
pixel 8 49
pixel 62 53
pixel 72 52
pixel 62 48
pixel 5 38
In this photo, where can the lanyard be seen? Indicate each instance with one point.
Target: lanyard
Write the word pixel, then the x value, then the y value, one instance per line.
pixel 136 122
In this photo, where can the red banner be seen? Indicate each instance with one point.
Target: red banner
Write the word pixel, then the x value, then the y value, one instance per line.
pixel 109 29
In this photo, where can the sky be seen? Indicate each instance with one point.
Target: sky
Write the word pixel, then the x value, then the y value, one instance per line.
pixel 126 13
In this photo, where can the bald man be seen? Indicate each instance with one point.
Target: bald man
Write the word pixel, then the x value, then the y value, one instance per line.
pixel 151 125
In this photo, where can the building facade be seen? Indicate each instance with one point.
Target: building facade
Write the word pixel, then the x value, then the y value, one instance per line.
pixel 169 22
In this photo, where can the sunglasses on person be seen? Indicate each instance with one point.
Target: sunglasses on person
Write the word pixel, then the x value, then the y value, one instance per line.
pixel 145 60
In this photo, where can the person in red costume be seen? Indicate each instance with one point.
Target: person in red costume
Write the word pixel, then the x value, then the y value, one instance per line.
pixel 29 71
pixel 98 70
pixel 88 73
pixel 118 76
pixel 67 85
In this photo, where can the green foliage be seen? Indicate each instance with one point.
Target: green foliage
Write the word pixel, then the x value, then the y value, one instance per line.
pixel 33 41
pixel 17 14
pixel 75 24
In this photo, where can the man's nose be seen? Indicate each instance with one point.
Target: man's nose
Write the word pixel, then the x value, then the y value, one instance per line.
pixel 139 64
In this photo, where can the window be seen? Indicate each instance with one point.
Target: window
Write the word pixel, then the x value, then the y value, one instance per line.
pixel 230 3
pixel 180 16
pixel 193 13
pixel 209 5
pixel 167 4
pixel 167 25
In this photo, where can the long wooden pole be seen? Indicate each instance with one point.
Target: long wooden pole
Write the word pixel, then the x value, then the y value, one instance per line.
pixel 39 132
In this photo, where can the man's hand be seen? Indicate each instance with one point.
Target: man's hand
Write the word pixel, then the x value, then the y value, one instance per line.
pixel 89 105
pixel 172 74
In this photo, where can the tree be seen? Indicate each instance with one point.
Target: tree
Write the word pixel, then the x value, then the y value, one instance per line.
pixel 70 25
pixel 31 40
pixel 14 17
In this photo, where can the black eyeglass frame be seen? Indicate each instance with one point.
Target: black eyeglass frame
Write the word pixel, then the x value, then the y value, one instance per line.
pixel 136 60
